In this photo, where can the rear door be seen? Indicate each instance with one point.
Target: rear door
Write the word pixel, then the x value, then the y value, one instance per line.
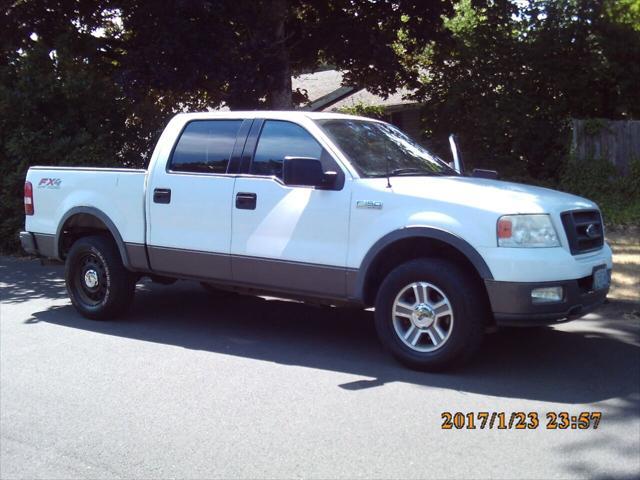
pixel 189 214
pixel 288 238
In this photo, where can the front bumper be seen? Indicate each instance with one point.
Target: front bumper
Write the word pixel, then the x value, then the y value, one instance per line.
pixel 512 305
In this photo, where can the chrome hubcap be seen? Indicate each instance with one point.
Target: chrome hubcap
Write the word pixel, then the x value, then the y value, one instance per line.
pixel 422 317
pixel 91 278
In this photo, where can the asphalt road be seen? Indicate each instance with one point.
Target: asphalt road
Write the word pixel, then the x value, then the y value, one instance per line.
pixel 190 385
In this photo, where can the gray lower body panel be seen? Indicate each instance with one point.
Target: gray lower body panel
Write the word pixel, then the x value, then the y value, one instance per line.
pixel 278 276
pixel 295 279
pixel 352 283
pixel 189 263
pixel 137 254
pixel 39 244
pixel 28 242
pixel 291 276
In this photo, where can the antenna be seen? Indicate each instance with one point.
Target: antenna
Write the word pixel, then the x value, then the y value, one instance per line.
pixel 388 181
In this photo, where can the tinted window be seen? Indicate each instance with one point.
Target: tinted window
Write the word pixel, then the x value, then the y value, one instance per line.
pixel 205 146
pixel 282 139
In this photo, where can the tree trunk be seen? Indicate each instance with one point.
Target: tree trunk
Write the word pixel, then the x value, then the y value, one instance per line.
pixel 279 96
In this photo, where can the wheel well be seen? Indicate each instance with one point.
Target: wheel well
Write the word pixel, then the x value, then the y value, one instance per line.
pixel 406 249
pixel 78 226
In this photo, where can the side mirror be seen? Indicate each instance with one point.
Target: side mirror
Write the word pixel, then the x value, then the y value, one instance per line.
pixel 306 172
pixel 481 173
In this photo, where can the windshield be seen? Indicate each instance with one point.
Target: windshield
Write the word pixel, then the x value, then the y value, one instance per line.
pixel 376 149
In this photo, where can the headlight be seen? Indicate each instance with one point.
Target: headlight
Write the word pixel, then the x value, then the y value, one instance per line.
pixel 527 231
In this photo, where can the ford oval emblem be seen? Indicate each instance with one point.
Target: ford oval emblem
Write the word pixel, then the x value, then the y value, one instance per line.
pixel 592 231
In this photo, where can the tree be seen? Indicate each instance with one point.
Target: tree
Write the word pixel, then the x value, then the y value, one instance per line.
pixel 514 73
pixel 242 54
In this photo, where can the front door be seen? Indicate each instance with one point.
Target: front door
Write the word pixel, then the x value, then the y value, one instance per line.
pixel 286 237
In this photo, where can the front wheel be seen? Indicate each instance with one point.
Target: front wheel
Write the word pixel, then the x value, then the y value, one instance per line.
pixel 430 314
pixel 98 284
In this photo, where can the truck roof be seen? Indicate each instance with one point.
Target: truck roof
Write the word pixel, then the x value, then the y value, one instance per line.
pixel 274 114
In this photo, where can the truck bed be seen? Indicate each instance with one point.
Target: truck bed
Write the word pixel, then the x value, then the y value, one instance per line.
pixel 117 192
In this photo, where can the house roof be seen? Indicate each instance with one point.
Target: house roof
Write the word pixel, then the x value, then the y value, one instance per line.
pixel 367 98
pixel 327 93
pixel 318 84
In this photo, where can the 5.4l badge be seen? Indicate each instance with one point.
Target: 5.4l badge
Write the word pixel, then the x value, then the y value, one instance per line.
pixel 50 183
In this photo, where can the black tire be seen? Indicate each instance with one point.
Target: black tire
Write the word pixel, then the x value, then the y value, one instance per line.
pixel 97 259
pixel 465 327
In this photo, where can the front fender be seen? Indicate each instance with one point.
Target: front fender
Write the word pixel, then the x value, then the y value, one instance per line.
pixel 358 279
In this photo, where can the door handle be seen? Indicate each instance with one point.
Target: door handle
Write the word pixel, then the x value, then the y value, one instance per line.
pixel 162 195
pixel 246 201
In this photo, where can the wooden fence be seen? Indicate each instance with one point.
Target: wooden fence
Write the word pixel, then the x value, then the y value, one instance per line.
pixel 615 140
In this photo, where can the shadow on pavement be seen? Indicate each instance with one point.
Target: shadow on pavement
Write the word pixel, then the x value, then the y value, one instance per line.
pixel 599 359
pixel 23 279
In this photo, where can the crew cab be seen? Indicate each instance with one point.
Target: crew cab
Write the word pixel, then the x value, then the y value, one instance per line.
pixel 326 208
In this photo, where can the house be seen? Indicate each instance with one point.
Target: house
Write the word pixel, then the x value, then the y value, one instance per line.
pixel 327 94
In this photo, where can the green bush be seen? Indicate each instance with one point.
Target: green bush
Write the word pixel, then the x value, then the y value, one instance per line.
pixel 364 110
pixel 618 196
pixel 592 177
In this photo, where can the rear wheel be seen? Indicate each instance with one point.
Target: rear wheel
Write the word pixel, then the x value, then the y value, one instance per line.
pixel 99 285
pixel 430 314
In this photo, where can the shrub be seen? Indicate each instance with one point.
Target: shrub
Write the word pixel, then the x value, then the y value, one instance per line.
pixel 618 196
pixel 364 110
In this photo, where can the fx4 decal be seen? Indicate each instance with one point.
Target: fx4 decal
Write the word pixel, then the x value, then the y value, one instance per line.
pixel 50 183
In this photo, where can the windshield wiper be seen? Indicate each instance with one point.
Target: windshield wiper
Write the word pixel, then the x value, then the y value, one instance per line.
pixel 412 171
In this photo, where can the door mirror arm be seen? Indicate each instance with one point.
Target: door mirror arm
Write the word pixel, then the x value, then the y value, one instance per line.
pixel 329 180
pixel 307 172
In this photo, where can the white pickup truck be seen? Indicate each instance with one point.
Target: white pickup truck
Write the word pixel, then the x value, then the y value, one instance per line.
pixel 326 208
